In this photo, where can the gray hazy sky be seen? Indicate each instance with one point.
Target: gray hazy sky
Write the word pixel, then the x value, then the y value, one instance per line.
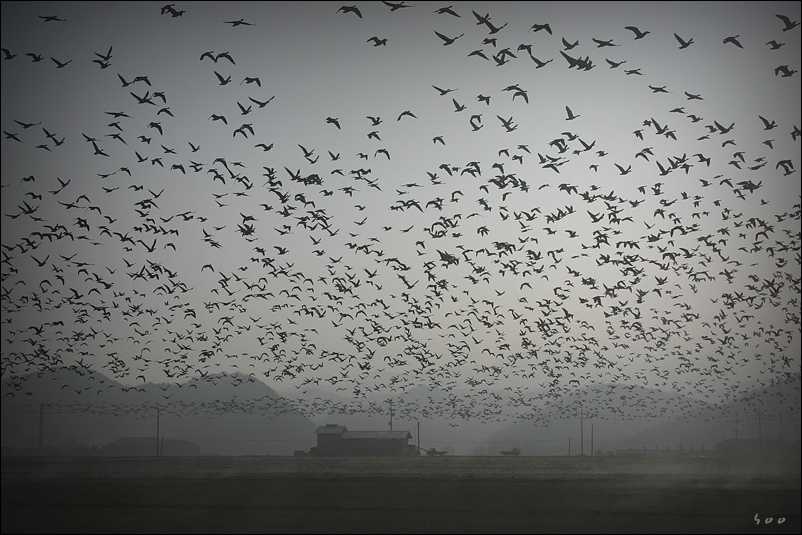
pixel 482 245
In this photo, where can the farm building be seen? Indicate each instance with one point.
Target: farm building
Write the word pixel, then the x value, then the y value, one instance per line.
pixel 336 441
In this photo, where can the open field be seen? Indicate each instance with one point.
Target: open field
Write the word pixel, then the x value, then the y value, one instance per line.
pixel 399 495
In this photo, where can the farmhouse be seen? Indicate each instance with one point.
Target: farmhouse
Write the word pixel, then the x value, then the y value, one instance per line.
pixel 336 441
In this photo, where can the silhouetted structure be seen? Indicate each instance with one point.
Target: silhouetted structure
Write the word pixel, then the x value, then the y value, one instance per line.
pixel 336 441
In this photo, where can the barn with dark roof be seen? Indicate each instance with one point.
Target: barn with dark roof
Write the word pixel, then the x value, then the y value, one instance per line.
pixel 336 441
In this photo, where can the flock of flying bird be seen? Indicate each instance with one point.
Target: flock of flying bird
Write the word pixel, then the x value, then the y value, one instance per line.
pixel 506 283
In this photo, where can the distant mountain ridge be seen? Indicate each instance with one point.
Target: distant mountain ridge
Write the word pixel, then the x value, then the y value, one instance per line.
pixel 228 414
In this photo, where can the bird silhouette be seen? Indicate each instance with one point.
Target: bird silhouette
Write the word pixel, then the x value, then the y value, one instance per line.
pixel 569 46
pixel 446 11
pixel 638 33
pixel 540 64
pixel 733 40
pixel 240 22
pixel 261 104
pixel 443 91
pixel 539 27
pixel 789 24
pixel 59 64
pixel 221 79
pixel 447 40
pixel 350 9
pixel 682 42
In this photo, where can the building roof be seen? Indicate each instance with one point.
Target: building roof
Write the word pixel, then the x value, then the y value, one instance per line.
pixel 330 429
pixel 380 435
pixel 334 429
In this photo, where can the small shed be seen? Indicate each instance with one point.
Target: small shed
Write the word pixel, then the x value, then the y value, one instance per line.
pixel 336 441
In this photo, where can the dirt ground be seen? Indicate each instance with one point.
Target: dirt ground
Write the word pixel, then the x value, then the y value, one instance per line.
pixel 418 495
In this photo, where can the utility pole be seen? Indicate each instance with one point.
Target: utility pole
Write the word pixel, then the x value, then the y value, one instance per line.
pixel 581 432
pixel 41 425
pixel 591 440
pixel 569 446
pixel 759 430
pixel 157 430
pixel 391 414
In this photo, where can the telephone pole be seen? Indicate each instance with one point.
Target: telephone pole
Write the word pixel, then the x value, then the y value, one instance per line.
pixel 157 430
pixel 41 425
pixel 759 429
pixel 581 432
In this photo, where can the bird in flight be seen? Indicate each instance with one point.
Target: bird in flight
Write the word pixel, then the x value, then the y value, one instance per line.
pixel 27 125
pixel 768 125
pixel 240 22
pixel 443 91
pixel 225 55
pixel 377 41
pixel 571 115
pixel 447 40
pixel 785 70
pixel 350 9
pixel 682 42
pixel 223 81
pixel 734 40
pixel 638 33
pixel 538 27
pixel 393 6
pixel 261 104
pixel 789 25
pixel 60 65
pixel 446 11
pixel 538 63
pixel 600 43
pixel 569 46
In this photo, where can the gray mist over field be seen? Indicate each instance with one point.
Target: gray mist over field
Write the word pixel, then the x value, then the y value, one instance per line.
pixel 560 227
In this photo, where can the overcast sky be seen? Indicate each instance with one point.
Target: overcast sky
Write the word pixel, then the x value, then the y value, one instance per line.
pixel 509 198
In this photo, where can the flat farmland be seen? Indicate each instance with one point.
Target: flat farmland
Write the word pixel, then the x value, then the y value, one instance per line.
pixel 400 495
